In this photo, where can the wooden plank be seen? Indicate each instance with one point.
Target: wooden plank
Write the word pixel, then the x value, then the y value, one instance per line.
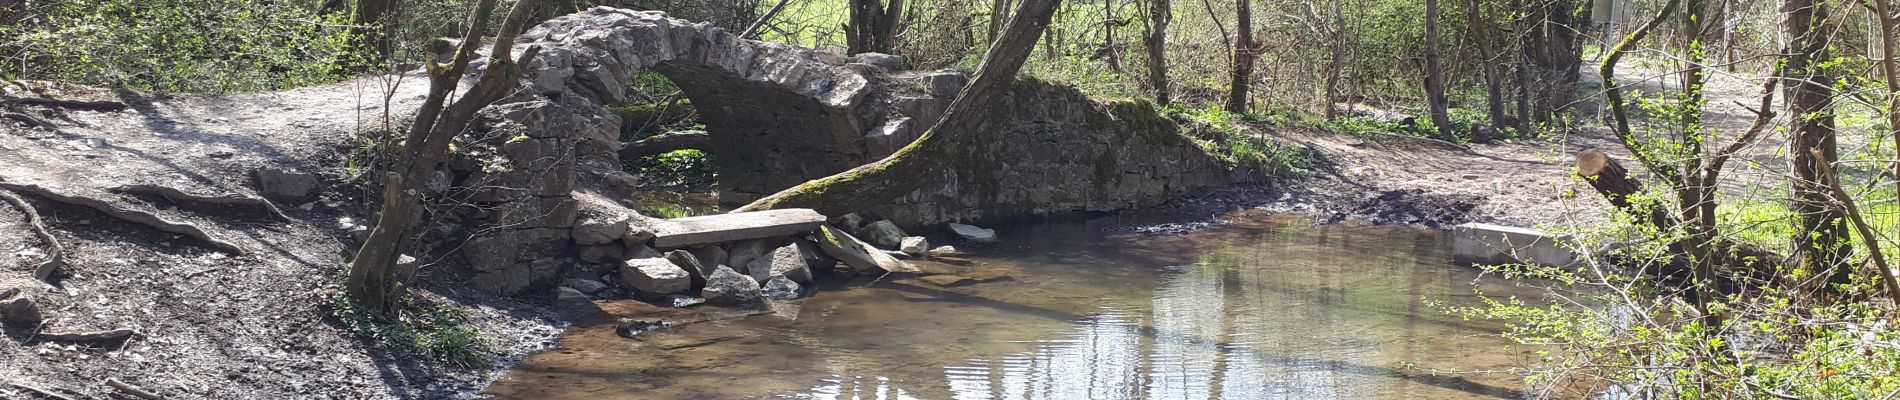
pixel 721 228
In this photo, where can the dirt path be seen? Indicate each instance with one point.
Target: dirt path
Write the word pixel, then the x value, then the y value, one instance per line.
pixel 209 324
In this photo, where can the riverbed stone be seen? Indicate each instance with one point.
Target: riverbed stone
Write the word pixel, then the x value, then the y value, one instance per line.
pixel 584 285
pixel 884 234
pixel 20 311
pixel 973 233
pixel 781 288
pixel 728 287
pixel 740 255
pixel 567 294
pixel 686 261
pixel 915 246
pixel 855 253
pixel 637 235
pixel 784 261
pixel 599 230
pixel 654 277
pixel 945 251
pixel 711 256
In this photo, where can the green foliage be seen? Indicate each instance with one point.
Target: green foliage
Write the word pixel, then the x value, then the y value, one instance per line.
pixel 437 334
pixel 669 211
pixel 680 169
pixel 199 46
pixel 1217 131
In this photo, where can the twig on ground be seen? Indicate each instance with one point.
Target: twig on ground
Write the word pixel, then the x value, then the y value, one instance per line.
pixel 135 391
pixel 42 392
pixel 56 253
pixel 94 336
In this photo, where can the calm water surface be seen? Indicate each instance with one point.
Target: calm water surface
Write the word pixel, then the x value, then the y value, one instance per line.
pixel 1269 308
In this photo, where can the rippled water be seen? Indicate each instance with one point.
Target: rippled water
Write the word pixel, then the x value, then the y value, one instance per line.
pixel 1270 308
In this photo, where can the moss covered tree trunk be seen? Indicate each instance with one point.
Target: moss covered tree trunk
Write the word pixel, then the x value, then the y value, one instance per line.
pixel 1821 241
pixel 924 160
pixel 374 280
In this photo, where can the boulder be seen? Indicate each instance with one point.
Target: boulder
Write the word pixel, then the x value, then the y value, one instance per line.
pixel 915 246
pixel 884 234
pixel 602 253
pixel 728 287
pixel 655 277
pixel 855 253
pixel 781 288
pixel 599 230
pixel 285 184
pixel 685 260
pixel 740 255
pixel 710 256
pixel 588 286
pixel 785 262
pixel 973 233
pixel 888 62
pixel 637 236
pixel 641 251
pixel 20 311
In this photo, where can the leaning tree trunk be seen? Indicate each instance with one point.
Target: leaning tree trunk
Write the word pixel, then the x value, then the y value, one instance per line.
pixel 1822 237
pixel 1159 14
pixel 1435 75
pixel 924 160
pixel 1243 58
pixel 374 281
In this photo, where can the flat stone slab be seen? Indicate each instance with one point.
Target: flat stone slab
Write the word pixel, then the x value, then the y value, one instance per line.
pixel 1499 244
pixel 721 228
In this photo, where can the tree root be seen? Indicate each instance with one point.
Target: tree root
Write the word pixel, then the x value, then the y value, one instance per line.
pixel 57 255
pixel 90 105
pixel 29 120
pixel 180 196
pixel 129 215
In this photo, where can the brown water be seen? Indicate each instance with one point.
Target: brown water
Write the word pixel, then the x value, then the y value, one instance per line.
pixel 1268 308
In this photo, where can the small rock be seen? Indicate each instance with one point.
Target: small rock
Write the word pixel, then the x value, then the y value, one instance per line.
pixel 884 234
pixel 679 301
pixel 945 251
pixel 600 230
pixel 8 294
pixel 851 222
pixel 782 288
pixel 567 294
pixel 642 251
pixel 20 310
pixel 1470 176
pixel 886 61
pixel 588 286
pixel 728 287
pixel 785 262
pixel 622 180
pixel 916 246
pixel 628 328
pixel 741 254
pixel 973 233
pixel 285 184
pixel 655 277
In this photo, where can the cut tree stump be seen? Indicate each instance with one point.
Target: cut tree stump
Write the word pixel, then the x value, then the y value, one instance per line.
pixel 1613 181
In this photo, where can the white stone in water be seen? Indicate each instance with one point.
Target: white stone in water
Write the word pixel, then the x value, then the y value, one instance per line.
pixel 915 246
pixel 655 277
pixel 973 233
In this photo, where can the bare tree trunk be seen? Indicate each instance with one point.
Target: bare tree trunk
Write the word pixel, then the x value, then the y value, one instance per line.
pixel 1435 75
pixel 1160 13
pixel 368 18
pixel 1481 33
pixel 1821 241
pixel 1336 66
pixel 1522 67
pixel 872 27
pixel 374 281
pixel 1883 15
pixel 999 14
pixel 1243 57
pixel 924 160
pixel 1692 199
pixel 1108 36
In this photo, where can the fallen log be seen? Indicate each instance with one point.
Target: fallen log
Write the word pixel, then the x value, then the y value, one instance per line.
pixel 666 143
pixel 140 217
pixel 88 337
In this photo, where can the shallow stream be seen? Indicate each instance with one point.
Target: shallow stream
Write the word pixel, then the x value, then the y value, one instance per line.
pixel 1269 307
